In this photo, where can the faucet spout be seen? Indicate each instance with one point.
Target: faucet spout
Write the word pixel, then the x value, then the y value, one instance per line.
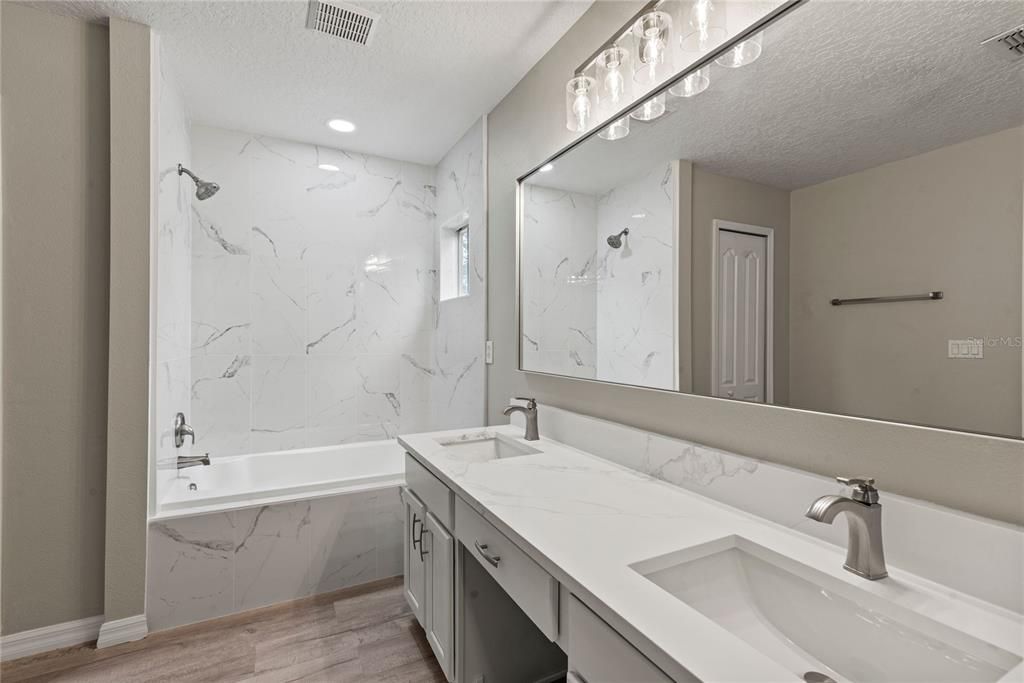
pixel 864 553
pixel 529 411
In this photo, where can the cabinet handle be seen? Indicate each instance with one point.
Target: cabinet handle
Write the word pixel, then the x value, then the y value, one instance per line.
pixel 492 560
pixel 575 677
pixel 415 520
pixel 423 549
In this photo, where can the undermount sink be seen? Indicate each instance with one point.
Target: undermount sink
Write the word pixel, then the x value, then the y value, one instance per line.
pixel 818 627
pixel 484 446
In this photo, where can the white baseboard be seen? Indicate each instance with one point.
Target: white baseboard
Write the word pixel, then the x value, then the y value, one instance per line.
pixel 122 631
pixel 48 638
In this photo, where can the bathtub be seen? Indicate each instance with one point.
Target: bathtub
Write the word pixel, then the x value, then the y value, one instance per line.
pixel 254 530
pixel 282 476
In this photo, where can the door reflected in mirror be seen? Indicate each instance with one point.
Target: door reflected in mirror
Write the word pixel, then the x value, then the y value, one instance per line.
pixel 838 230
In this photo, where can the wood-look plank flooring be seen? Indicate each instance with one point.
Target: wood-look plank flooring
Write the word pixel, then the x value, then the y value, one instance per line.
pixel 365 634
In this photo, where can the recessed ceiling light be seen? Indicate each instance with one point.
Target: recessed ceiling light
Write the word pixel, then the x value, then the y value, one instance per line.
pixel 328 167
pixel 547 167
pixel 341 125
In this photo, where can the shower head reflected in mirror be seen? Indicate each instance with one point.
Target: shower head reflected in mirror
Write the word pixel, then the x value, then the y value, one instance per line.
pixel 204 189
pixel 615 241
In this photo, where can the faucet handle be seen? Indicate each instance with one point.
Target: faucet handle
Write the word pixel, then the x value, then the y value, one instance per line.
pixel 531 403
pixel 864 490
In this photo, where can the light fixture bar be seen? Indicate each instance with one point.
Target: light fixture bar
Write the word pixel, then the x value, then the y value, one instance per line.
pixel 622 32
pixel 707 59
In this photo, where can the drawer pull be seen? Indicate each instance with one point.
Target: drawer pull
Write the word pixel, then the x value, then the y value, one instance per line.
pixel 492 560
pixel 416 520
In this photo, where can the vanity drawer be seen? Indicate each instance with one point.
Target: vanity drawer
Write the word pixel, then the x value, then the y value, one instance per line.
pixel 532 588
pixel 598 654
pixel 437 497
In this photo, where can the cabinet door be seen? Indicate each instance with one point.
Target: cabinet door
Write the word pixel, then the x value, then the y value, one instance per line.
pixel 415 560
pixel 440 594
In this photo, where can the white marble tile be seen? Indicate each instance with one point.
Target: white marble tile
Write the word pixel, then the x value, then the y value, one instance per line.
pixel 278 305
pixel 221 320
pixel 333 387
pixel 272 551
pixel 220 403
pixel 331 300
pixel 378 398
pixel 344 543
pixel 278 402
pixel 189 570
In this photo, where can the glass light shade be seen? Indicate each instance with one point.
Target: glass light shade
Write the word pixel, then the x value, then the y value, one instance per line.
pixel 652 35
pixel 650 110
pixel 694 84
pixel 700 27
pixel 579 103
pixel 743 53
pixel 616 130
pixel 614 80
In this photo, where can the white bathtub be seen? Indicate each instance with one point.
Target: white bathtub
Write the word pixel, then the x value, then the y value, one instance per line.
pixel 281 476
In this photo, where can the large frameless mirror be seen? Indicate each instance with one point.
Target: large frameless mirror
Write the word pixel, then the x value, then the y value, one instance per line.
pixel 827 215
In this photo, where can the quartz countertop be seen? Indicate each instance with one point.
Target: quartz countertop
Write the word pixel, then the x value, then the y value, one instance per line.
pixel 586 520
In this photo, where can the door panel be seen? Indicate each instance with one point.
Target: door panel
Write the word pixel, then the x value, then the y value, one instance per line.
pixel 440 593
pixel 742 305
pixel 415 568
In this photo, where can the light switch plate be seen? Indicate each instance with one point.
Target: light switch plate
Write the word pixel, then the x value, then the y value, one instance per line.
pixel 489 352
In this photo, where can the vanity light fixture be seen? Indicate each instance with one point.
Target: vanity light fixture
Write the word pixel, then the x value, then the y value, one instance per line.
pixel 341 125
pixel 614 89
pixel 652 34
pixel 743 53
pixel 328 167
pixel 579 103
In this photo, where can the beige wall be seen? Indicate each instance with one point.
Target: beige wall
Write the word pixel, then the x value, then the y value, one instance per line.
pixel 56 234
pixel 132 216
pixel 956 212
pixel 979 474
pixel 741 201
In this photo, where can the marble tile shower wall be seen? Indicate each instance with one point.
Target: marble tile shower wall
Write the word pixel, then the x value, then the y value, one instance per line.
pixel 559 282
pixel 212 565
pixel 455 372
pixel 636 321
pixel 174 268
pixel 310 289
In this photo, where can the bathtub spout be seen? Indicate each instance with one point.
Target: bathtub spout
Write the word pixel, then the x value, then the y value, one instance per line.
pixel 193 460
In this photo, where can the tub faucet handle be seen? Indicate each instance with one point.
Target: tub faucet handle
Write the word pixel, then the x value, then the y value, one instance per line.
pixel 181 430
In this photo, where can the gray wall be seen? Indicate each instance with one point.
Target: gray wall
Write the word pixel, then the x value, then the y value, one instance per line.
pixel 974 473
pixel 956 212
pixel 56 233
pixel 741 201
pixel 132 217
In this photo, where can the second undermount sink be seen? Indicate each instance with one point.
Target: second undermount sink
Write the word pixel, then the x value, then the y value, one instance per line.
pixel 819 627
pixel 484 446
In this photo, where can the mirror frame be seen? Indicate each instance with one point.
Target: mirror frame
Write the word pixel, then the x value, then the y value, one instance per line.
pixel 758 26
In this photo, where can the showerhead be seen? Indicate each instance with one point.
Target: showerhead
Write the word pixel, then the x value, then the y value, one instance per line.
pixel 615 241
pixel 204 189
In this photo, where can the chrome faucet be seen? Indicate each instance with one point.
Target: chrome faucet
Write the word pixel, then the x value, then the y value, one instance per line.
pixel 181 430
pixel 529 411
pixel 864 554
pixel 193 460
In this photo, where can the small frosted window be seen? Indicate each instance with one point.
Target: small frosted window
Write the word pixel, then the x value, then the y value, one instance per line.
pixel 462 238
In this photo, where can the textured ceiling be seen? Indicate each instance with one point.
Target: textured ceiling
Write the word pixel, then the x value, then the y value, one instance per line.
pixel 840 87
pixel 431 70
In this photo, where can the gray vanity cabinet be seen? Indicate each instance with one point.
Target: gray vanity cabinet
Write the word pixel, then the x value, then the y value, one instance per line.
pixel 429 557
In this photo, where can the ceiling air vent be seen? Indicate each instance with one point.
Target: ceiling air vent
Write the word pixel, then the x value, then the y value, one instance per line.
pixel 1008 45
pixel 342 20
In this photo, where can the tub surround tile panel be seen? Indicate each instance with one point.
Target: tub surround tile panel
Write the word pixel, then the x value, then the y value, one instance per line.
pixel 173 267
pixel 590 310
pixel 559 282
pixel 987 562
pixel 635 284
pixel 454 372
pixel 309 286
pixel 211 565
